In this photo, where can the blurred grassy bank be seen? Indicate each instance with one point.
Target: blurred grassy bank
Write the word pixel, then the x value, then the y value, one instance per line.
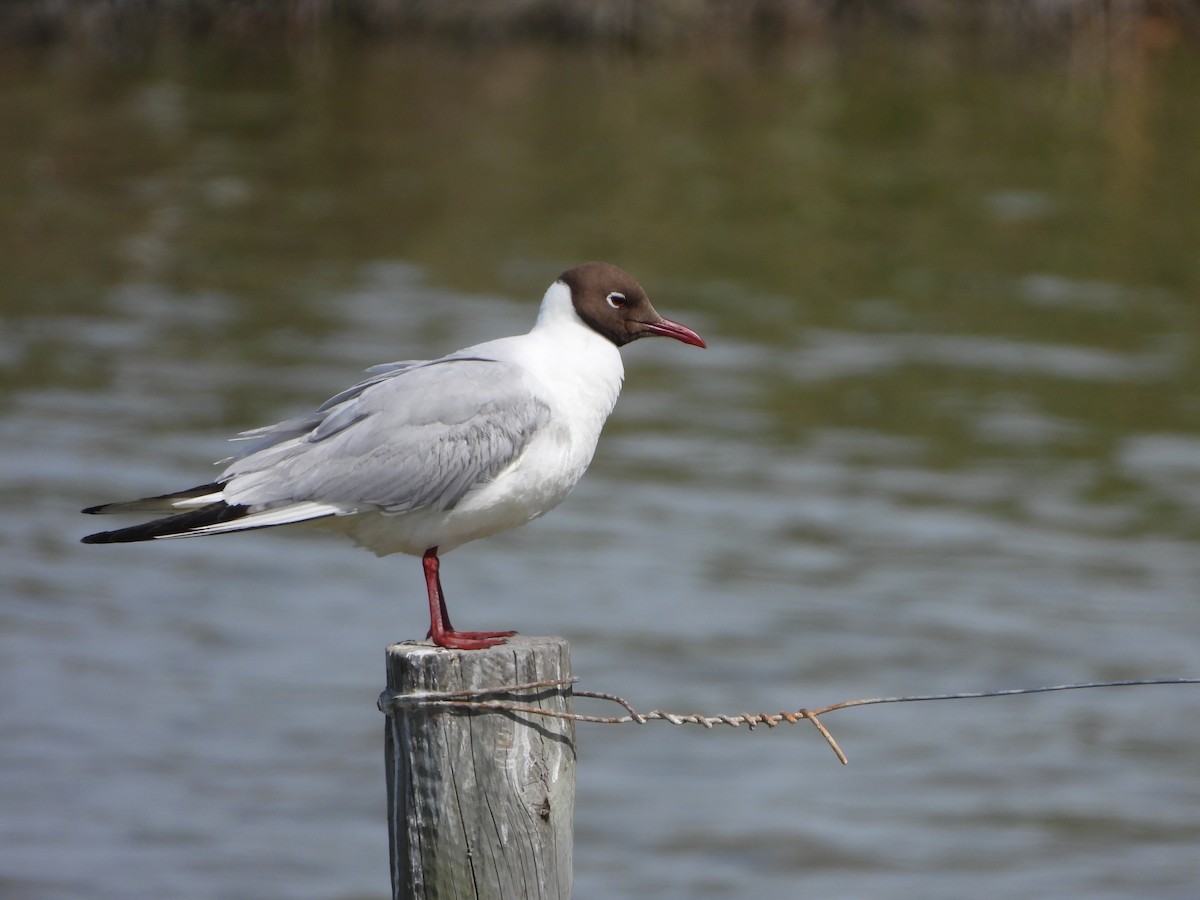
pixel 126 25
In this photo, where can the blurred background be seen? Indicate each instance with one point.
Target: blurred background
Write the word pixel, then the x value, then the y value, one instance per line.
pixel 946 436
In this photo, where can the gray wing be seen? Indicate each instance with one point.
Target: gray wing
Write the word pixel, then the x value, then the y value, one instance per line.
pixel 413 436
pixel 260 438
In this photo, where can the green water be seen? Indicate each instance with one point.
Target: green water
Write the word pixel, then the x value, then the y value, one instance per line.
pixel 890 186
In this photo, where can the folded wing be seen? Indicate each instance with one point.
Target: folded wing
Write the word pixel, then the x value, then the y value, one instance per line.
pixel 412 436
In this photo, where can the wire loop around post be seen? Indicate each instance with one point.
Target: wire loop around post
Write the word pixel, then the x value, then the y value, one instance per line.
pixel 390 703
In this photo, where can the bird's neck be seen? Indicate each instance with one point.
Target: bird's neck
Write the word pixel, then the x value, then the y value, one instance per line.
pixel 557 310
pixel 584 362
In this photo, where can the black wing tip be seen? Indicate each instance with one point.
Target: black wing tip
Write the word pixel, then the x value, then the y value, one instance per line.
pixel 146 532
pixel 190 493
pixel 180 525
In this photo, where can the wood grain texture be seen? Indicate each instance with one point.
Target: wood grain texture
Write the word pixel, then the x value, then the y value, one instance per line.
pixel 480 802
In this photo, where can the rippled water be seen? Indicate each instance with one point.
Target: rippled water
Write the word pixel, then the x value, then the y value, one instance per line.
pixel 946 437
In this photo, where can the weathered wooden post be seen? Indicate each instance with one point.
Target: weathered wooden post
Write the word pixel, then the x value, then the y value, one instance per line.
pixel 480 801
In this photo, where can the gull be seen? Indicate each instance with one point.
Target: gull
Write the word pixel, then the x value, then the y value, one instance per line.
pixel 425 455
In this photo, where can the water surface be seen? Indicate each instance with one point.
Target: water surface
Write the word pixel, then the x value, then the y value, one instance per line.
pixel 946 437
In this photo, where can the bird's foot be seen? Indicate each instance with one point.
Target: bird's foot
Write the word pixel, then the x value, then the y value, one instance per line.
pixel 468 640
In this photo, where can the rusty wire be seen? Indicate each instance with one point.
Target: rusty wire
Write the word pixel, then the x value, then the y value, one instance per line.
pixel 390 703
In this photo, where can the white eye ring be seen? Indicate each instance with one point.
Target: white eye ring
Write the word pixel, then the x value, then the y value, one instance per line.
pixel 616 299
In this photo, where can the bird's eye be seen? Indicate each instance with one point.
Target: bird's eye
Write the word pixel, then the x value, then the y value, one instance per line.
pixel 616 300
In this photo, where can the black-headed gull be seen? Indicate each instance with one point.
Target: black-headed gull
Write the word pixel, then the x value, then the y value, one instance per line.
pixel 424 456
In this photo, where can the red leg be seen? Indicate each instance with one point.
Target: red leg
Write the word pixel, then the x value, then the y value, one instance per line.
pixel 440 629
